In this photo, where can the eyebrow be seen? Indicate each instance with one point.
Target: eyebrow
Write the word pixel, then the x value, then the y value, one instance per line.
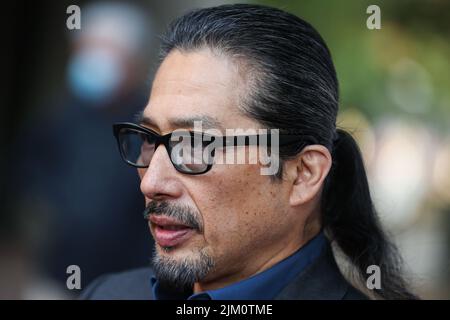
pixel 207 122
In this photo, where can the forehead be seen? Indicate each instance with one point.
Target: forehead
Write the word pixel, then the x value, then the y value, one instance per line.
pixel 196 84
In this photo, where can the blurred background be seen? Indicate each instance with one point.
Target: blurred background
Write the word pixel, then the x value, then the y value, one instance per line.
pixel 67 198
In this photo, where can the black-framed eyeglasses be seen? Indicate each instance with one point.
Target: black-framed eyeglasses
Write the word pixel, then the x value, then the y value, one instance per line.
pixel 190 152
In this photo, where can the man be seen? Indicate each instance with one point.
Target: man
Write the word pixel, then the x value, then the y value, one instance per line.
pixel 226 230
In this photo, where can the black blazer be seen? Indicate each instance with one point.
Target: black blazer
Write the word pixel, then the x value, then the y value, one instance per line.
pixel 322 281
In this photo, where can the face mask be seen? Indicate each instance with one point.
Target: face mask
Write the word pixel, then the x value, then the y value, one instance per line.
pixel 95 74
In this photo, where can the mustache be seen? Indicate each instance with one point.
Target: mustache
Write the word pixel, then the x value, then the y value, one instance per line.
pixel 184 214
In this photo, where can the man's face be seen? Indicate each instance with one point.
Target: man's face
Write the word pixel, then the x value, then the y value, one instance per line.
pixel 242 213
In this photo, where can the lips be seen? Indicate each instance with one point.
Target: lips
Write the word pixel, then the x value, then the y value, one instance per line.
pixel 169 232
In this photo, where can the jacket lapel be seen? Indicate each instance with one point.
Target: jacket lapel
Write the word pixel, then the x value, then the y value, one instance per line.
pixel 322 280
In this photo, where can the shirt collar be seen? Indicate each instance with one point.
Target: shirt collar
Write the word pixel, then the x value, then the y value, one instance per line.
pixel 262 286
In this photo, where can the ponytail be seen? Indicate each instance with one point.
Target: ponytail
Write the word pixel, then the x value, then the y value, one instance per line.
pixel 350 219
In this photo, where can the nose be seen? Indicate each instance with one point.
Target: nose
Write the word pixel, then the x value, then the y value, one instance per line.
pixel 160 181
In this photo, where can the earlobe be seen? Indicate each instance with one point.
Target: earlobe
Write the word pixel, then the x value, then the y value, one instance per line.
pixel 313 165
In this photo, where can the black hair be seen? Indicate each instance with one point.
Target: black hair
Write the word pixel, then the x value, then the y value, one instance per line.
pixel 293 87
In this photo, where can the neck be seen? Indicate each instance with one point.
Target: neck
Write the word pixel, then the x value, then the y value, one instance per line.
pixel 283 250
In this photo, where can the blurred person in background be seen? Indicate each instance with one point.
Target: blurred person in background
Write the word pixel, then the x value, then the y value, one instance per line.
pixel 70 180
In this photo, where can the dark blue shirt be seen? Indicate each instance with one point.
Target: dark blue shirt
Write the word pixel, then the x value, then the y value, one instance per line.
pixel 262 286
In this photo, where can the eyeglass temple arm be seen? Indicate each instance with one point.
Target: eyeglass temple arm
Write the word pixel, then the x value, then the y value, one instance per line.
pixel 284 139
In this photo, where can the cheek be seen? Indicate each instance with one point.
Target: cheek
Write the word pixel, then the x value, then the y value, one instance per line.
pixel 141 172
pixel 237 206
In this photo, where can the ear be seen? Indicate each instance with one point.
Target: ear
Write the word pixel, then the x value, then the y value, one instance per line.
pixel 312 167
